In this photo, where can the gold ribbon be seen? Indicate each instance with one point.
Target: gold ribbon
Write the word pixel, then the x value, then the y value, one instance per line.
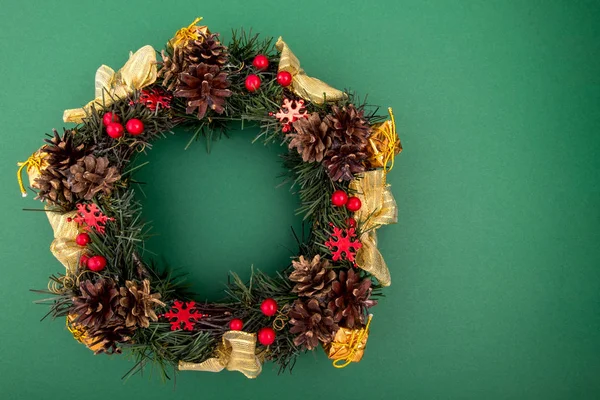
pixel 191 32
pixel 348 345
pixel 309 88
pixel 237 352
pixel 64 247
pixel 384 144
pixel 378 208
pixel 34 166
pixel 138 72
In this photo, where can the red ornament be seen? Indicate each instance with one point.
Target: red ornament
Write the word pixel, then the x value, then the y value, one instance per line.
pixel 183 314
pixel 266 336
pixel 109 118
pixel 261 62
pixel 339 198
pixel 96 263
pixel 83 239
pixel 353 204
pixel 114 130
pixel 284 78
pixel 344 242
pixel 351 222
pixel 155 98
pixel 83 259
pixel 91 217
pixel 135 126
pixel 236 324
pixel 268 307
pixel 290 112
pixel 252 82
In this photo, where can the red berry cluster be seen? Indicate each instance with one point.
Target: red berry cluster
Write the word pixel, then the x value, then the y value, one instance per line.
pixel 115 129
pixel 261 63
pixel 339 198
pixel 94 263
pixel 266 335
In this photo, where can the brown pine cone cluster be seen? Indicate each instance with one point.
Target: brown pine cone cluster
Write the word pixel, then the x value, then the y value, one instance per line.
pixel 194 72
pixel 73 173
pixel 339 141
pixel 110 315
pixel 349 299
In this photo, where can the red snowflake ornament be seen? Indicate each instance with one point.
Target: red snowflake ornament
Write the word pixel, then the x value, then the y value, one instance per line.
pixel 91 217
pixel 155 98
pixel 290 112
pixel 344 242
pixel 183 314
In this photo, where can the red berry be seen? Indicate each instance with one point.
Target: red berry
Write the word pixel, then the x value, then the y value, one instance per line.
pixel 83 260
pixel 353 204
pixel 109 117
pixel 236 324
pixel 134 126
pixel 266 336
pixel 83 239
pixel 96 263
pixel 284 78
pixel 351 222
pixel 114 130
pixel 261 62
pixel 252 82
pixel 268 307
pixel 339 198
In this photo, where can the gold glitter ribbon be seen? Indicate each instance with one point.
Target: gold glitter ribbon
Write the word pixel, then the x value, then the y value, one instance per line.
pixel 64 247
pixel 34 166
pixel 348 345
pixel 190 32
pixel 378 208
pixel 138 72
pixel 237 352
pixel 384 144
pixel 309 88
pixel 80 334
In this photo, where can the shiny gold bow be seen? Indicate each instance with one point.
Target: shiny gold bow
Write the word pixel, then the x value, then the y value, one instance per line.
pixel 237 352
pixel 64 247
pixel 34 166
pixel 309 88
pixel 348 345
pixel 378 208
pixel 138 72
pixel 190 32
pixel 80 334
pixel 384 144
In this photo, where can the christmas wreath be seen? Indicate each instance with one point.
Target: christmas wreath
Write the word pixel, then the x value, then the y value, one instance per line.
pixel 114 299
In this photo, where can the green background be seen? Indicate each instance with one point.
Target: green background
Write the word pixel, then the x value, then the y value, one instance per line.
pixel 495 260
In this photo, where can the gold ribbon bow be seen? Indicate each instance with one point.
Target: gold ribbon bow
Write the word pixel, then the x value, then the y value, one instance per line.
pixel 309 88
pixel 138 72
pixel 187 33
pixel 378 208
pixel 384 144
pixel 64 247
pixel 237 352
pixel 348 345
pixel 34 166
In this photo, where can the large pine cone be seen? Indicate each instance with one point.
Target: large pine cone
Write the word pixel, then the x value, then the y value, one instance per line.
pixel 97 305
pixel 61 150
pixel 172 66
pixel 53 187
pixel 137 304
pixel 205 87
pixel 311 323
pixel 207 49
pixel 313 278
pixel 349 299
pixel 92 175
pixel 311 139
pixel 349 126
pixel 109 336
pixel 345 161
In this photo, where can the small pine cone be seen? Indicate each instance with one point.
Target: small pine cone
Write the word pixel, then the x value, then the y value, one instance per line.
pixel 349 126
pixel 109 336
pixel 61 150
pixel 345 161
pixel 313 278
pixel 204 87
pixel 137 304
pixel 311 139
pixel 172 66
pixel 349 299
pixel 53 187
pixel 207 49
pixel 97 305
pixel 311 323
pixel 92 175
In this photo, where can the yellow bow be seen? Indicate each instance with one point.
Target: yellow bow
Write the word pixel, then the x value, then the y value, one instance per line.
pixel 348 345
pixel 138 72
pixel 384 144
pixel 378 208
pixel 34 166
pixel 310 89
pixel 64 247
pixel 191 32
pixel 237 352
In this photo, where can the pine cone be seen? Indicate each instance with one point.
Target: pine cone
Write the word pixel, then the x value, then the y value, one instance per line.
pixel 349 299
pixel 313 278
pixel 53 187
pixel 109 336
pixel 204 86
pixel 61 150
pixel 172 66
pixel 311 323
pixel 207 49
pixel 137 304
pixel 311 139
pixel 345 161
pixel 97 305
pixel 348 126
pixel 92 175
